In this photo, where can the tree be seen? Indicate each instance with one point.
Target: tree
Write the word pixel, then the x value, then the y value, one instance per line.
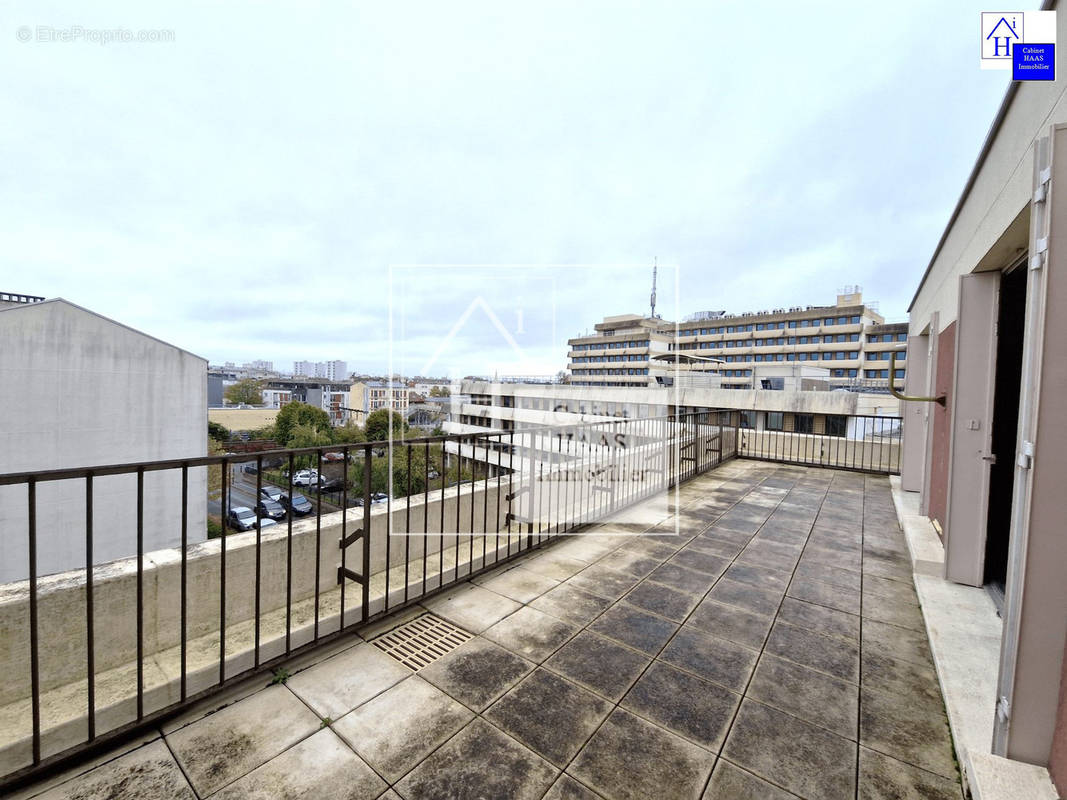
pixel 247 392
pixel 308 436
pixel 349 433
pixel 379 423
pixel 295 414
pixel 218 432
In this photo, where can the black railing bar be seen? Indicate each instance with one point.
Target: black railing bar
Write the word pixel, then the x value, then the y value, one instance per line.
pixel 365 567
pixel 140 593
pixel 318 540
pixel 289 557
pixel 184 580
pixel 35 677
pixel 90 639
pixel 259 548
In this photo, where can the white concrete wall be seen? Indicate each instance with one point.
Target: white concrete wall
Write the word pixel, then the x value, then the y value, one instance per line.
pixel 77 390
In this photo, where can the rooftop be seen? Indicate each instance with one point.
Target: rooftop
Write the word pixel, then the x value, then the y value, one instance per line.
pixel 764 642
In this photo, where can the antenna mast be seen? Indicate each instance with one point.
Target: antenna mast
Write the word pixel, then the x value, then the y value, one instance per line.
pixel 655 265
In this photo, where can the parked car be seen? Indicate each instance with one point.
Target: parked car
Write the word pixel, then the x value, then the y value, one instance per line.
pixel 333 456
pixel 299 505
pixel 329 484
pixel 379 497
pixel 305 477
pixel 271 508
pixel 270 493
pixel 251 469
pixel 433 475
pixel 244 519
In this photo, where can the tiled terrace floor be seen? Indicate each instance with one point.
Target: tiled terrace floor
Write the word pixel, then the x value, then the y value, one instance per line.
pixel 773 649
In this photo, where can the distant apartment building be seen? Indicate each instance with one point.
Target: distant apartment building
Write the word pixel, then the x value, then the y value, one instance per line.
pixel 328 370
pixel 78 389
pixel 849 339
pixel 12 299
pixel 367 397
pixel 330 396
pixel 262 366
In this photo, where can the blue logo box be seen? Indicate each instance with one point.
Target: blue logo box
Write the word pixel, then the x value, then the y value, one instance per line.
pixel 1033 62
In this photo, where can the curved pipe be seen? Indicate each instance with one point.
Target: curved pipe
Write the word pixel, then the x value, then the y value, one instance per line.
pixel 893 387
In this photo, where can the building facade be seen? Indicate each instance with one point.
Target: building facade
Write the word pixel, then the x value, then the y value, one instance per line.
pixel 367 397
pixel 620 352
pixel 78 389
pixel 985 448
pixel 330 396
pixel 328 370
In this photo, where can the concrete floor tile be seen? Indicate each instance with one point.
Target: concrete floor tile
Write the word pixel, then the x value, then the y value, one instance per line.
pixel 477 672
pixel 730 622
pixel 554 565
pixel 825 594
pixel 631 758
pixel 884 778
pixel 683 704
pixel 636 565
pixel 907 728
pixel 337 685
pixel 319 766
pixel 750 598
pixel 895 642
pixel 835 576
pixel 885 587
pixel 821 619
pixel 715 546
pixel 730 782
pixel 718 660
pixel 662 600
pixel 471 607
pixel 634 627
pixel 683 579
pixel 399 727
pixel 600 664
pixel 901 677
pixel 760 577
pixel 904 614
pixel 222 747
pixel 148 771
pixel 550 715
pixel 812 696
pixel 518 584
pixel 478 763
pixel 603 582
pixel 570 604
pixel 530 633
pixel 700 560
pixel 567 788
pixel 834 656
pixel 805 759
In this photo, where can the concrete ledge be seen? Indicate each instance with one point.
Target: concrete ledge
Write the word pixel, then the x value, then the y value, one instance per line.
pixel 964 630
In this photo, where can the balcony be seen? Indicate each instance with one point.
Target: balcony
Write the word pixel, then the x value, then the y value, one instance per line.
pixel 751 629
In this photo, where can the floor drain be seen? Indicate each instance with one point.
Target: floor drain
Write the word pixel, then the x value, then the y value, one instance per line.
pixel 421 641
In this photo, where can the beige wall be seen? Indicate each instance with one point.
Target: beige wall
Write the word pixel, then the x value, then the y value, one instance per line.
pixel 243 419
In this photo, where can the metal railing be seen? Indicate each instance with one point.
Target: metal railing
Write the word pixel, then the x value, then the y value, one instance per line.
pixel 861 443
pixel 454 506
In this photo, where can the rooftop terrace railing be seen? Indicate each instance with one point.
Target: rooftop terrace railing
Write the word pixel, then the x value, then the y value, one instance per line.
pixel 99 652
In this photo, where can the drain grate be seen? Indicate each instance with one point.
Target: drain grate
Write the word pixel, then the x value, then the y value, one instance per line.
pixel 421 641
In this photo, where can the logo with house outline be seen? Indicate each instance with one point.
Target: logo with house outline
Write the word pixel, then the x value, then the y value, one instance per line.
pixel 1001 31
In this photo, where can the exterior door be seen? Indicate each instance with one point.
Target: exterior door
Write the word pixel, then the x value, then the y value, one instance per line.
pixel 970 455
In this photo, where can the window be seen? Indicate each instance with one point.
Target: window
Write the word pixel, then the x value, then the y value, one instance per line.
pixel 748 419
pixel 902 337
pixel 803 339
pixel 828 321
pixel 836 425
pixel 898 373
pixel 842 320
pixel 802 356
pixel 792 323
pixel 779 357
pixel 790 357
pixel 759 358
pixel 775 420
pixel 759 327
pixel 804 423
pixel 855 320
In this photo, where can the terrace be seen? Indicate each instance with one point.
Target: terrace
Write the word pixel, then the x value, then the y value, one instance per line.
pixel 761 639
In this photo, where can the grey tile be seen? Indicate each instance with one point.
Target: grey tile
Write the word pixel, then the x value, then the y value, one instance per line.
pixel 636 565
pixel 825 594
pixel 550 715
pixel 716 546
pixel 718 660
pixel 471 607
pixel 399 727
pixel 476 672
pixel 518 584
pixel 600 664
pixel 683 704
pixel 907 728
pixel 884 778
pixel 479 762
pixel 148 771
pixel 903 677
pixel 832 655
pixel 730 622
pixel 805 759
pixel 320 765
pixel 222 747
pixel 904 614
pixel 896 642
pixel 571 604
pixel 761 577
pixel 758 601
pixel 813 696
pixel 630 758
pixel 821 619
pixel 337 685
pixel 530 633
pixel 835 576
pixel 682 578
pixel 567 788
pixel 603 582
pixel 634 627
pixel 729 782
pixel 662 600
pixel 554 565
pixel 700 560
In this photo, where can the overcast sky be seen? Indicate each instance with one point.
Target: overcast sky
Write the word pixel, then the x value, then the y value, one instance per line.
pixel 255 187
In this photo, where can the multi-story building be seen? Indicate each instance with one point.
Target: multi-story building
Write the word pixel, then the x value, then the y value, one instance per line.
pixel 328 370
pixel 330 396
pixel 621 351
pixel 367 397
pixel 261 366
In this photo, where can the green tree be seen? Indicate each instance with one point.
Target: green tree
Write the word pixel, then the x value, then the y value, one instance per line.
pixel 248 391
pixel 308 436
pixel 218 432
pixel 379 423
pixel 349 433
pixel 295 414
